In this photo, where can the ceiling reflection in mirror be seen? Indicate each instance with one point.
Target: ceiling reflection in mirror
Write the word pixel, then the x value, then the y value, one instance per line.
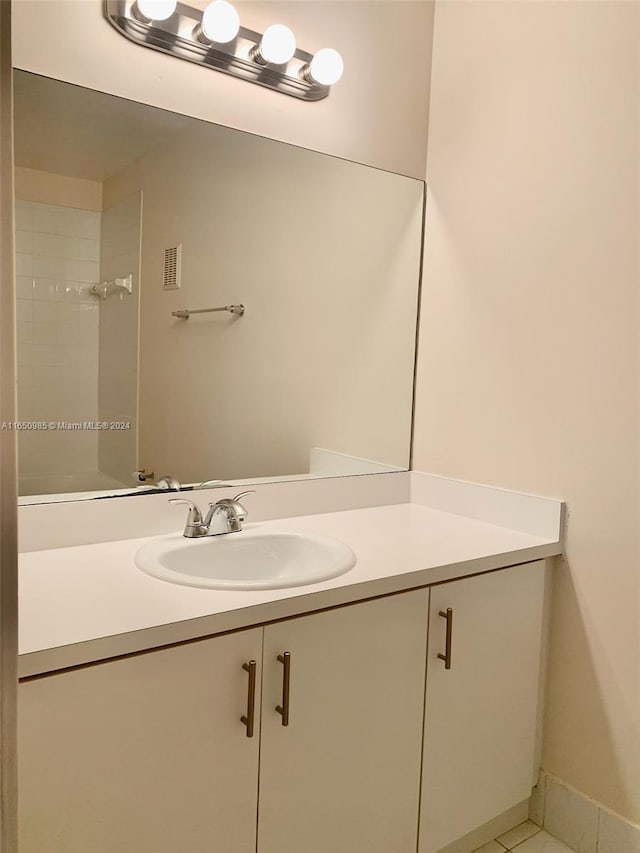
pixel 132 225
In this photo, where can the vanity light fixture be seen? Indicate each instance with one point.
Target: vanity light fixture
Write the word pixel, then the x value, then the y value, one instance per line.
pixel 325 68
pixel 154 10
pixel 215 38
pixel 220 23
pixel 277 45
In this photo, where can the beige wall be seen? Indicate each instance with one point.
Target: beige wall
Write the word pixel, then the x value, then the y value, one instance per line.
pixel 325 255
pixel 377 114
pixel 47 188
pixel 528 367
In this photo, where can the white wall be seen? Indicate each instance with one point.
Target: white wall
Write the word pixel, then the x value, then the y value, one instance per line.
pixel 325 255
pixel 377 114
pixel 528 371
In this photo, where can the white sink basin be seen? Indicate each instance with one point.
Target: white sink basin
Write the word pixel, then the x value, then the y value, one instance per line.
pixel 250 559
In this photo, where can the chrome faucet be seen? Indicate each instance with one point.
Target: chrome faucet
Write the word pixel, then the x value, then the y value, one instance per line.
pixel 168 484
pixel 224 516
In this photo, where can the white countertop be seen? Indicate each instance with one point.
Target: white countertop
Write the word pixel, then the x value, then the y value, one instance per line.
pixel 90 602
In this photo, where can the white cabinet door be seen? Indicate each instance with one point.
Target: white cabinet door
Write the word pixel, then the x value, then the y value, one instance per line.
pixel 145 754
pixel 481 714
pixel 344 775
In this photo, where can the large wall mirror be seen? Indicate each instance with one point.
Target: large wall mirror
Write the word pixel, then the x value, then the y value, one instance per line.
pixel 127 215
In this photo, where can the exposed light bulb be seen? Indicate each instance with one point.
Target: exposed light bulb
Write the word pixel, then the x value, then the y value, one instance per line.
pixel 326 67
pixel 220 22
pixel 278 45
pixel 156 10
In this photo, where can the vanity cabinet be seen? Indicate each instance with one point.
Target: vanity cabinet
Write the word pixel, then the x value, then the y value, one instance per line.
pixel 148 754
pixel 343 776
pixel 481 714
pixel 143 754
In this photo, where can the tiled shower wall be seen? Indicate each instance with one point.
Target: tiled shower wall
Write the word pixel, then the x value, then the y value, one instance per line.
pixel 58 253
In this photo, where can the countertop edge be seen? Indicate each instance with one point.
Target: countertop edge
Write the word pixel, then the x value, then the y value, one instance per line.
pixel 48 661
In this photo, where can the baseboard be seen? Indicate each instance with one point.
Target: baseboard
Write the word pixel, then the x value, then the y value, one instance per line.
pixel 583 824
pixel 488 831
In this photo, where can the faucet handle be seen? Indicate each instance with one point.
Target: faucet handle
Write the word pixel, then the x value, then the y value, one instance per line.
pixel 234 503
pixel 195 516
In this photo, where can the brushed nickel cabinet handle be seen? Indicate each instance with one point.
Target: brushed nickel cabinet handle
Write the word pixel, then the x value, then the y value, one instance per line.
pixel 249 719
pixel 446 657
pixel 283 710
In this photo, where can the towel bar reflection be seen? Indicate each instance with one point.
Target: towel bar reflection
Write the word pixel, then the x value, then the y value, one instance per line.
pixel 238 310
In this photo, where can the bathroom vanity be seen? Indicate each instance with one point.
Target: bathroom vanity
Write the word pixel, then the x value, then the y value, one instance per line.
pixel 396 705
pixel 232 310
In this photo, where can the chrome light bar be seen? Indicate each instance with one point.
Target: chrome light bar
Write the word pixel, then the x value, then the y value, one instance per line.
pixel 180 34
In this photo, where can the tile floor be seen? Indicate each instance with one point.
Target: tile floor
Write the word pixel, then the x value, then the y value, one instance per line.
pixel 528 837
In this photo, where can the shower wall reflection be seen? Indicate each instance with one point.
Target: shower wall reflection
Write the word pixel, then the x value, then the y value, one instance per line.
pixel 77 353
